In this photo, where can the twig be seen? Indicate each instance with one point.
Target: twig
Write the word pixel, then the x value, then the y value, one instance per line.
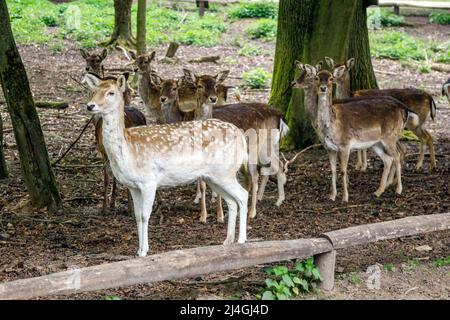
pixel 73 143
pixel 287 162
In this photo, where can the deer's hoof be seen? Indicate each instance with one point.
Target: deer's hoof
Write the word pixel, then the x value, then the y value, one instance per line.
pixel 378 193
pixel 228 241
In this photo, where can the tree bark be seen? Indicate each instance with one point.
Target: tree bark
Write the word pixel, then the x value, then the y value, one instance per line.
pixel 36 170
pixel 141 27
pixel 3 167
pixel 122 34
pixel 309 30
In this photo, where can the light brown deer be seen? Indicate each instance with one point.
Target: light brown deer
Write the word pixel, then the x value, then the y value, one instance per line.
pixel 94 61
pixel 147 157
pixel 417 100
pixel 266 123
pixel 360 123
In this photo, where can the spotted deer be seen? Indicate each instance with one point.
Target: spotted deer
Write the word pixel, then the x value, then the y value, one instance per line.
pixel 266 123
pixel 145 158
pixel 94 61
pixel 446 89
pixel 360 123
pixel 133 118
pixel 419 101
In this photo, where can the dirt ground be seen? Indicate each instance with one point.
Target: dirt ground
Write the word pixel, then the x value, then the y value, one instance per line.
pixel 34 243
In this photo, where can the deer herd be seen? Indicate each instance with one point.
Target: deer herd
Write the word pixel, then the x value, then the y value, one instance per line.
pixel 190 134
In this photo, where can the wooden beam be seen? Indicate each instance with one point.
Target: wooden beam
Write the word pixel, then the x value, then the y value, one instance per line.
pixel 368 233
pixel 415 4
pixel 165 266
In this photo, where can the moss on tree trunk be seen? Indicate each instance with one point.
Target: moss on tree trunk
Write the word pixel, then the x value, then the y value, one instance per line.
pixel 141 29
pixel 3 168
pixel 309 30
pixel 36 170
pixel 122 34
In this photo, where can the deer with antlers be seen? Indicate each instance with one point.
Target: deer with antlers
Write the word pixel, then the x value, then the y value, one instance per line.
pixel 419 101
pixel 144 158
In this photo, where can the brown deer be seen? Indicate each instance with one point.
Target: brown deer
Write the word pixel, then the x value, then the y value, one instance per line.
pixel 417 100
pixel 94 61
pixel 446 89
pixel 360 123
pixel 133 118
pixel 144 158
pixel 247 116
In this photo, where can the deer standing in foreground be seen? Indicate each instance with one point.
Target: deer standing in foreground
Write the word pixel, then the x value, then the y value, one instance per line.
pixel 144 158
pixel 133 118
pixel 417 100
pixel 361 123
pixel 267 126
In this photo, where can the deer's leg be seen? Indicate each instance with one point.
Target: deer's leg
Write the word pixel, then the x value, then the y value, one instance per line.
pixel 333 160
pixel 387 161
pixel 137 203
pixel 148 197
pixel 254 189
pixel 198 196
pixel 203 212
pixel 281 180
pixel 431 149
pixel 219 214
pixel 419 132
pixel 213 196
pixel 105 188
pixel 364 160
pixel 344 155
pixel 359 161
pixel 129 204
pixel 262 187
pixel 112 205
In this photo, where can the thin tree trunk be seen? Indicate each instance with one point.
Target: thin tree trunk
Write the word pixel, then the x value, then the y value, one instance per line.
pixel 141 29
pixel 3 167
pixel 36 170
pixel 122 34
pixel 309 30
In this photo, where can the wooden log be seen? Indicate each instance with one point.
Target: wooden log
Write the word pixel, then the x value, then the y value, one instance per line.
pixel 326 262
pixel 173 47
pixel 51 105
pixel 205 59
pixel 415 4
pixel 165 266
pixel 368 233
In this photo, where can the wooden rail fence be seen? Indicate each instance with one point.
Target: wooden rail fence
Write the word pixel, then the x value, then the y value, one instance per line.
pixel 204 260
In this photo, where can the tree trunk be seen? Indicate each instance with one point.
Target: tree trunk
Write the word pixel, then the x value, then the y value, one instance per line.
pixel 141 29
pixel 122 34
pixel 309 30
pixel 3 168
pixel 36 170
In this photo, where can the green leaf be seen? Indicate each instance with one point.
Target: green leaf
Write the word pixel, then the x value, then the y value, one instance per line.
pixel 316 274
pixel 269 271
pixel 281 296
pixel 112 298
pixel 296 280
pixel 288 280
pixel 271 283
pixel 268 295
pixel 281 270
pixel 296 291
pixel 304 285
pixel 299 267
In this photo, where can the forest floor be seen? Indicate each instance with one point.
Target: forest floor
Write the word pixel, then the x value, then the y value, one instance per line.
pixel 34 243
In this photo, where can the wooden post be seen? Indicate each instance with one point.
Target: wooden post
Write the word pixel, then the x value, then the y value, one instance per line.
pixel 201 8
pixel 173 47
pixel 397 10
pixel 326 262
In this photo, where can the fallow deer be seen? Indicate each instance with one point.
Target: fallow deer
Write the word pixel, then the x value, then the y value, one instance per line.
pixel 446 89
pixel 133 118
pixel 144 158
pixel 94 61
pixel 417 100
pixel 360 123
pixel 247 116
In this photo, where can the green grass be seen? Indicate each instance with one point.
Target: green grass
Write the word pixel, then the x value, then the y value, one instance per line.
pixel 265 29
pixel 400 46
pixel 88 22
pixel 256 78
pixel 440 18
pixel 250 51
pixel 380 18
pixel 260 9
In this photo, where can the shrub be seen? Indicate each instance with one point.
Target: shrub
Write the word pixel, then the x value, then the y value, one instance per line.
pixel 261 9
pixel 440 18
pixel 264 29
pixel 256 78
pixel 379 18
pixel 250 51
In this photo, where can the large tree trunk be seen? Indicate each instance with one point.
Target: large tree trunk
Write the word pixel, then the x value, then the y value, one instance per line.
pixel 141 30
pixel 122 34
pixel 3 168
pixel 309 30
pixel 36 170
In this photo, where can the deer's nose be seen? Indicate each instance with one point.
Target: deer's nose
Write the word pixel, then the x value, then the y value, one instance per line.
pixel 323 89
pixel 213 99
pixel 163 99
pixel 87 68
pixel 90 106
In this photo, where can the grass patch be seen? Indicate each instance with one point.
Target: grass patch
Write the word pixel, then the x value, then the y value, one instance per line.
pixel 250 51
pixel 440 18
pixel 442 262
pixel 400 46
pixel 256 78
pixel 265 29
pixel 381 18
pixel 260 9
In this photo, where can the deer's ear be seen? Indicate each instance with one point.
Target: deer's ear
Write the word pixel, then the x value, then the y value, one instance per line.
pixel 221 76
pixel 132 55
pixel 330 62
pixel 155 79
pixel 104 54
pixel 84 54
pixel 310 70
pixel 151 56
pixel 92 80
pixel 350 63
pixel 299 65
pixel 189 75
pixel 339 72
pixel 126 75
pixel 319 66
pixel 122 83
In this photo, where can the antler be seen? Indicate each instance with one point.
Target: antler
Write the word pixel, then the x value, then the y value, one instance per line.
pixel 287 162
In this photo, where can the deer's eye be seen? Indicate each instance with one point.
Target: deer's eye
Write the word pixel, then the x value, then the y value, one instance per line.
pixel 331 79
pixel 174 89
pixel 200 86
pixel 317 79
pixel 111 93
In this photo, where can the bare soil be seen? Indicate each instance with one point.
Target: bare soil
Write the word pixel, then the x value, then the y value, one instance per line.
pixel 34 243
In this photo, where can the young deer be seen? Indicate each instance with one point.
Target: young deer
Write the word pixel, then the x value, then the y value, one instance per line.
pixel 133 118
pixel 360 123
pixel 266 123
pixel 446 89
pixel 145 158
pixel 417 100
pixel 94 61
